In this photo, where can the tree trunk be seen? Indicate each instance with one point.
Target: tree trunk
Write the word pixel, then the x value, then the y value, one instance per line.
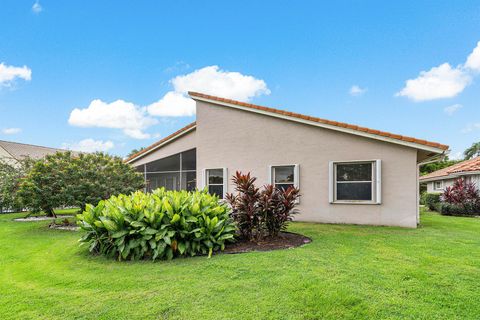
pixel 50 213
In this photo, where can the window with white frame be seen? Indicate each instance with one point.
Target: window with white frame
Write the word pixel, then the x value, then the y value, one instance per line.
pixel 216 181
pixel 438 185
pixel 355 182
pixel 284 177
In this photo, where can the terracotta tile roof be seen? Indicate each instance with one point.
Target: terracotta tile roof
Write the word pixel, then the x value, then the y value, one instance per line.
pixel 324 121
pixel 152 146
pixel 461 167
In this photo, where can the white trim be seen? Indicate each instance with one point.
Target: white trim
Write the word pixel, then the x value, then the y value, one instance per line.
pixel 375 182
pixel 324 125
pixel 296 175
pixel 224 177
pixel 441 185
pixel 162 144
pixel 450 176
pixel 378 178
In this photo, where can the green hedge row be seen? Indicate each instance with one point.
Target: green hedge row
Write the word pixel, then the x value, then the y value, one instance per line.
pixel 158 225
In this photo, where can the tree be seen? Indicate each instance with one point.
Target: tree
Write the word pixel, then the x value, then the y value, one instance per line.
pixel 134 151
pixel 434 166
pixel 63 179
pixel 11 174
pixel 473 151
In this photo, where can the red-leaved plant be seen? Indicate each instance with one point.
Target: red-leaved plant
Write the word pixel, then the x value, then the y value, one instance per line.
pixel 461 193
pixel 261 213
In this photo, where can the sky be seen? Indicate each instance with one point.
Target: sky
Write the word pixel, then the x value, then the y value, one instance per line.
pixel 113 75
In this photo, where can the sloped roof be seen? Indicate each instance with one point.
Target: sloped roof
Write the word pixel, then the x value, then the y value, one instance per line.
pixel 21 150
pixel 466 166
pixel 332 124
pixel 160 142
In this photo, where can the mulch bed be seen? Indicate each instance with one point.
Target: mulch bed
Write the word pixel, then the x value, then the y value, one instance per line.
pixel 285 240
pixel 42 218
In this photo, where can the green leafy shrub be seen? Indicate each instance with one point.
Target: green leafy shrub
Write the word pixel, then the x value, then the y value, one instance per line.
pixel 261 213
pixel 66 179
pixel 450 209
pixel 11 174
pixel 430 200
pixel 158 225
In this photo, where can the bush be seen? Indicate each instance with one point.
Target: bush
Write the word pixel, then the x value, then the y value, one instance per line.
pixel 162 224
pixel 461 193
pixel 63 179
pixel 10 178
pixel 430 200
pixel 264 213
pixel 449 209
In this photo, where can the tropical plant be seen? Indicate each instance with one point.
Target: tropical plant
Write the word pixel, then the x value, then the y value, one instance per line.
pixel 261 213
pixel 66 179
pixel 158 225
pixel 434 166
pixel 462 192
pixel 473 151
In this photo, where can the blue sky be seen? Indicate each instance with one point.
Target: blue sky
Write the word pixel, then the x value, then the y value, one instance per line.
pixel 125 66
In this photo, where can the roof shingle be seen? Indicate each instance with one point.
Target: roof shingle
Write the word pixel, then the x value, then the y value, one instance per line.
pixel 471 165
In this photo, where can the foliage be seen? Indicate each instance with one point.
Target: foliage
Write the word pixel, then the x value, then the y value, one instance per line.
pixel 461 193
pixel 434 166
pixel 11 174
pixel 134 151
pixel 161 224
pixel 261 213
pixel 430 200
pixel 65 179
pixel 451 209
pixel 473 151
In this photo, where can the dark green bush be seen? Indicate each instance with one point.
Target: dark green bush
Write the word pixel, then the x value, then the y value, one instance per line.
pixel 430 200
pixel 162 224
pixel 449 209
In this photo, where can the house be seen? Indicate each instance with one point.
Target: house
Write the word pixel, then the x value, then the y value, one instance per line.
pixel 438 180
pixel 346 173
pixel 13 152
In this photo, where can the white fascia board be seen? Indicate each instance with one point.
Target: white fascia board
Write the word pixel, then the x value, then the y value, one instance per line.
pixel 162 144
pixel 326 126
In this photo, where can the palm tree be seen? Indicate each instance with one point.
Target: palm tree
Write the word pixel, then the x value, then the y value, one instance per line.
pixel 473 151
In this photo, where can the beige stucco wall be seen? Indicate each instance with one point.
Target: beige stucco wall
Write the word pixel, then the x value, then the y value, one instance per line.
pixel 183 143
pixel 245 141
pixel 474 178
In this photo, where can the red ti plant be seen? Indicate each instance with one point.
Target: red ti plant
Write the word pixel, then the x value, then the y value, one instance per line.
pixel 261 213
pixel 462 192
pixel 244 204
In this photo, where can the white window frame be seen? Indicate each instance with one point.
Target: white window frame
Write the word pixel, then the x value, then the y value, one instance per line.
pixel 296 175
pixel 225 179
pixel 376 182
pixel 435 185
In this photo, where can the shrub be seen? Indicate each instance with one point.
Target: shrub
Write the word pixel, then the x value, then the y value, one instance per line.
pixel 430 200
pixel 259 214
pixel 462 192
pixel 63 179
pixel 10 178
pixel 162 224
pixel 450 209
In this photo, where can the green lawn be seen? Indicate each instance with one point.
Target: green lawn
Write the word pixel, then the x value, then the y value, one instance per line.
pixel 351 272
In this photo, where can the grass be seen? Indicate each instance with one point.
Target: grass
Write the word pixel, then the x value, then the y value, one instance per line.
pixel 349 272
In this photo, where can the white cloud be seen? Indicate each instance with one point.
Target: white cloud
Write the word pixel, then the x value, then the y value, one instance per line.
pixel 119 114
pixel 8 74
pixel 450 110
pixel 37 8
pixel 210 80
pixel 357 91
pixel 473 60
pixel 456 155
pixel 471 127
pixel 437 83
pixel 89 145
pixel 173 104
pixel 443 81
pixel 11 130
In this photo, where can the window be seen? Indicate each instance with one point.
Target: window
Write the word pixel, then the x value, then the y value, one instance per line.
pixel 216 181
pixel 355 182
pixel 438 185
pixel 284 177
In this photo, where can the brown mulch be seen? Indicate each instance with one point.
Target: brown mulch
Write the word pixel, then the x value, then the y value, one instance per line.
pixel 285 240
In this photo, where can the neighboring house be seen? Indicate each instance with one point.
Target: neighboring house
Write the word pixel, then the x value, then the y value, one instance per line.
pixel 346 173
pixel 438 180
pixel 13 152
